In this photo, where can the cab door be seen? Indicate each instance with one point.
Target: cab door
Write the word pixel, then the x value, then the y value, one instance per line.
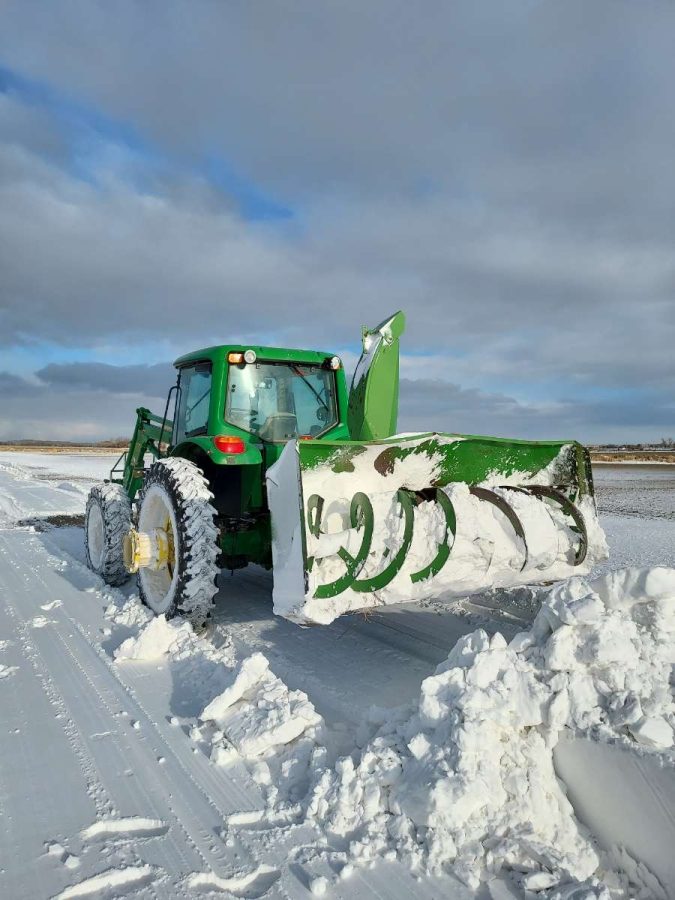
pixel 194 397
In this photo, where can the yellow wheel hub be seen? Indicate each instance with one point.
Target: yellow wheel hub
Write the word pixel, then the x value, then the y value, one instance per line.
pixel 149 550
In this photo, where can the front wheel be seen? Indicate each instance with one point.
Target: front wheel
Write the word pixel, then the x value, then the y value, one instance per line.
pixel 175 505
pixel 107 520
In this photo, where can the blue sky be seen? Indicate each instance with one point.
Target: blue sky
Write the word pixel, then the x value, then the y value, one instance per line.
pixel 286 177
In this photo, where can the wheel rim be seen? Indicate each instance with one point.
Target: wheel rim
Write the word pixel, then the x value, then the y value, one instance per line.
pixel 95 536
pixel 159 586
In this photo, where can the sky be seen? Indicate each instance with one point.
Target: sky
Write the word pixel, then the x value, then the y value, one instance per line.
pixel 180 174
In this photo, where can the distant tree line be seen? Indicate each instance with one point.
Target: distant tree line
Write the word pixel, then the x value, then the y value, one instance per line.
pixel 663 444
pixel 35 442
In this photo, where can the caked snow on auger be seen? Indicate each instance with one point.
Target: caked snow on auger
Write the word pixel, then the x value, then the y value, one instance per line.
pixel 268 459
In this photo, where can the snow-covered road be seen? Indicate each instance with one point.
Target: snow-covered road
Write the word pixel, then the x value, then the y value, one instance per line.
pixel 85 740
pixel 105 789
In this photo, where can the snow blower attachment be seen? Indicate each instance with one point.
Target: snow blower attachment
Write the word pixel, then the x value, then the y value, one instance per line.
pixel 420 516
pixel 265 457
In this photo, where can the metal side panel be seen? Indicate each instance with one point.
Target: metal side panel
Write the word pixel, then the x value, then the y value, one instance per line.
pixel 284 495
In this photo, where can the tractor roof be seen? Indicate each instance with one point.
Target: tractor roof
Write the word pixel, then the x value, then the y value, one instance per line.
pixel 273 354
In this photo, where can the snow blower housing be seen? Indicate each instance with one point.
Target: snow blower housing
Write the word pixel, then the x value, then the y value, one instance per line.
pixel 263 456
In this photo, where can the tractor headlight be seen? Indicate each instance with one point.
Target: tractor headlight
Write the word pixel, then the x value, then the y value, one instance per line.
pixel 250 356
pixel 334 363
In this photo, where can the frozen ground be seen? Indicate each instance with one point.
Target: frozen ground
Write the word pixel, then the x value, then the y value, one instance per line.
pixel 111 783
pixel 644 491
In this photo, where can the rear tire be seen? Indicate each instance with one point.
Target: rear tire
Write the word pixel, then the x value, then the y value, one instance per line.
pixel 107 520
pixel 176 497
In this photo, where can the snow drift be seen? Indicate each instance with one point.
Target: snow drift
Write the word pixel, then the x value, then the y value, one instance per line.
pixel 464 780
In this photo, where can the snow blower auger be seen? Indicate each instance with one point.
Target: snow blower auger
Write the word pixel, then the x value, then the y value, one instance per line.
pixel 267 458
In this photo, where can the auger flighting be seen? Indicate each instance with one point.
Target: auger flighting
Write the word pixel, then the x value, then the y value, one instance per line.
pixel 263 456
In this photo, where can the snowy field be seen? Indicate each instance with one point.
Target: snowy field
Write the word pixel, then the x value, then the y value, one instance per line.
pixel 262 759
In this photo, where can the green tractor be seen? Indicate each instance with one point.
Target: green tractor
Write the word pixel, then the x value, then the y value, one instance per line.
pixel 264 456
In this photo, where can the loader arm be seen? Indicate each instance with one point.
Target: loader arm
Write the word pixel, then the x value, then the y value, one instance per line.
pixel 150 432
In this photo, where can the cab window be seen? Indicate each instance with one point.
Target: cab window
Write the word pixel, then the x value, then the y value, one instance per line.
pixel 193 402
pixel 280 400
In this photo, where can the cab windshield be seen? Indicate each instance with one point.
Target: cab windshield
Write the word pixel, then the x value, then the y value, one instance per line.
pixel 279 401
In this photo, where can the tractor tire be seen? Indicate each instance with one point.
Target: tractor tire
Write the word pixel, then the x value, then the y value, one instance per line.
pixel 176 497
pixel 107 520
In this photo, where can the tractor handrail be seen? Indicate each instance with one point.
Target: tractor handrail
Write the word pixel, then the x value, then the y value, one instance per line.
pixel 174 387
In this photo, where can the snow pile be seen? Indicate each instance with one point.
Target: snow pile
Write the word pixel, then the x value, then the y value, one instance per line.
pixel 606 650
pixel 157 639
pixel 257 712
pixel 275 730
pixel 126 612
pixel 465 781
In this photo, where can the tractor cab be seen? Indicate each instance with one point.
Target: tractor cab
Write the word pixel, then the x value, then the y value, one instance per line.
pixel 258 396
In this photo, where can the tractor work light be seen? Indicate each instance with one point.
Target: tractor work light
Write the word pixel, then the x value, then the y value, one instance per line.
pixel 334 363
pixel 250 356
pixel 229 443
pixel 235 357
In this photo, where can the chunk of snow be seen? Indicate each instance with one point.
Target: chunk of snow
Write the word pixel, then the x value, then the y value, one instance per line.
pixel 653 731
pixel 131 827
pixel 128 612
pixel 157 639
pixel 108 881
pixel 246 676
pixel 257 711
pixel 236 884
pixel 54 604
pixel 319 886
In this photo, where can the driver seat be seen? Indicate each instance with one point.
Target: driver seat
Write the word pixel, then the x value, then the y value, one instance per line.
pixel 280 427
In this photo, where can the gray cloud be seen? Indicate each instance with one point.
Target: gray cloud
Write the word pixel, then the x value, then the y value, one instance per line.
pixel 152 381
pixel 427 405
pixel 79 401
pixel 502 173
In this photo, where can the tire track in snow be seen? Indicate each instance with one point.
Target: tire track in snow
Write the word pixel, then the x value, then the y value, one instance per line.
pixel 76 736
pixel 108 695
pixel 216 783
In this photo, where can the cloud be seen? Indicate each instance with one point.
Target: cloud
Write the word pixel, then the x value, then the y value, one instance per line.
pixel 79 401
pixel 435 405
pixel 503 174
pixel 153 381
